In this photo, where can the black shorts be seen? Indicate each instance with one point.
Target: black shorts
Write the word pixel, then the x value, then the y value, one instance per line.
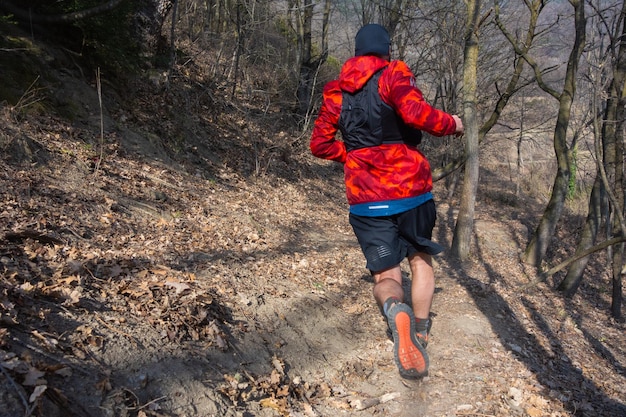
pixel 386 241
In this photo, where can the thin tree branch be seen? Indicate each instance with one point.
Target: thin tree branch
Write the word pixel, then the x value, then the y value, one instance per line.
pixel 567 262
pixel 448 169
pixel 524 54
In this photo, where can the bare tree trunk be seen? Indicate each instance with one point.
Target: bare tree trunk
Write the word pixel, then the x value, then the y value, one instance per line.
pixel 518 148
pixel 619 270
pixel 574 276
pixel 461 243
pixel 605 135
pixel 305 16
pixel 538 245
pixel 616 162
pixel 308 66
pixel 173 37
pixel 238 49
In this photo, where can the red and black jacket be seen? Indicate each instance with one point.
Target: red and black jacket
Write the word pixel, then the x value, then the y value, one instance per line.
pixel 389 171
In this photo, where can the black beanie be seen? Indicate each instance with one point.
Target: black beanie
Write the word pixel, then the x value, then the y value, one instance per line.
pixel 372 39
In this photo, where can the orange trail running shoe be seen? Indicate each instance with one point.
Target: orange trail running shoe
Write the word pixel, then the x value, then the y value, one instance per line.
pixel 410 355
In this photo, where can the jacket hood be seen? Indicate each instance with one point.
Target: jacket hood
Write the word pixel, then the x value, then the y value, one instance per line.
pixel 358 70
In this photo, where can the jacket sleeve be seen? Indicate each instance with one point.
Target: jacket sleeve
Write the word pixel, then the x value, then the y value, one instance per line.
pixel 323 143
pixel 399 90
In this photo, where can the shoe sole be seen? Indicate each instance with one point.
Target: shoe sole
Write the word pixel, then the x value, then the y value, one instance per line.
pixel 410 356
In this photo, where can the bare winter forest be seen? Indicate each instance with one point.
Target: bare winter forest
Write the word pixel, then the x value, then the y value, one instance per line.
pixel 170 247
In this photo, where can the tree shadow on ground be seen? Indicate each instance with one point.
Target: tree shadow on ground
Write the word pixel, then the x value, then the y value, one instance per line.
pixel 598 346
pixel 553 368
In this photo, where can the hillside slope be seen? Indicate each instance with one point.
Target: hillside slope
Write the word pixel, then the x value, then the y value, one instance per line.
pixel 195 260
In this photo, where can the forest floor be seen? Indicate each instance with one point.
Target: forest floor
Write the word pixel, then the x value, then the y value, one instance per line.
pixel 224 280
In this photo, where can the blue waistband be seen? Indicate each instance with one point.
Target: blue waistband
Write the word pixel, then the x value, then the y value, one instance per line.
pixel 391 207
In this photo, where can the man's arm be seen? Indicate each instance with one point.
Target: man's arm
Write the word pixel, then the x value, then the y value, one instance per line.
pixel 405 97
pixel 323 143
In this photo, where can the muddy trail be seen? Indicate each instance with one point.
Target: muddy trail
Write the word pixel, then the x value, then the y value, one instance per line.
pixel 221 278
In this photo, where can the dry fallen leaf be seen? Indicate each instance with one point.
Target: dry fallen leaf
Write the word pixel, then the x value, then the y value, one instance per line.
pixel 72 296
pixel 37 392
pixel 275 377
pixel 279 405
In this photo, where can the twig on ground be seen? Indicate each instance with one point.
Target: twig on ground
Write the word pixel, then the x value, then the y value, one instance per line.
pixel 362 404
pixel 149 402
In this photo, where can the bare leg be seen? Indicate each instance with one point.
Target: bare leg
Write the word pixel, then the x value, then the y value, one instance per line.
pixel 388 283
pixel 423 284
pixel 409 353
